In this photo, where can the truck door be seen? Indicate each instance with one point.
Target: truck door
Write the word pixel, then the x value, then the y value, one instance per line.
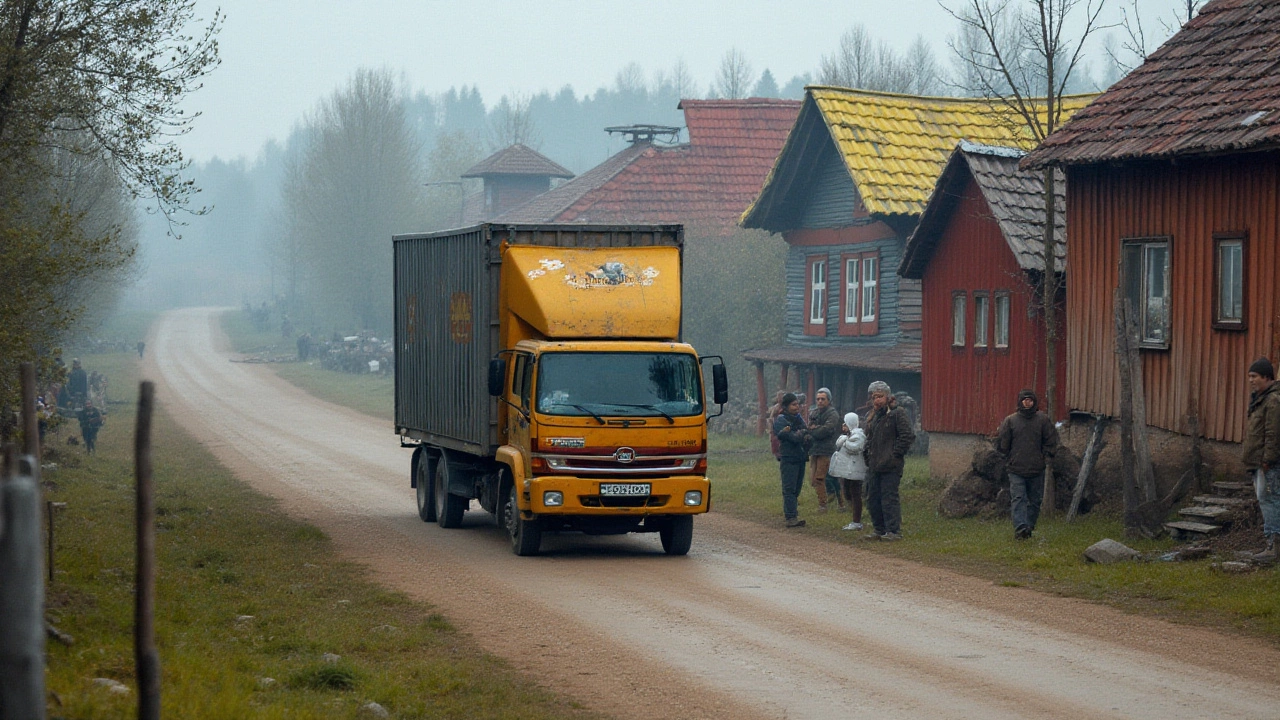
pixel 519 406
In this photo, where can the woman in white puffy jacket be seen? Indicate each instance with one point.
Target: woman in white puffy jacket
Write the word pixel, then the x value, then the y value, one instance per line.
pixel 848 464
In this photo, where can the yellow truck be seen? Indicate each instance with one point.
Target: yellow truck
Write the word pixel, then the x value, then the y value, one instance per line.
pixel 539 370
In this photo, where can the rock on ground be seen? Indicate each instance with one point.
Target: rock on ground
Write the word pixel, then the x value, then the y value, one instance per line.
pixel 1108 551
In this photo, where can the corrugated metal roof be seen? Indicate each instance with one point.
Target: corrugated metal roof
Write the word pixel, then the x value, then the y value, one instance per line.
pixel 517 160
pixel 1015 198
pixel 1213 87
pixel 894 146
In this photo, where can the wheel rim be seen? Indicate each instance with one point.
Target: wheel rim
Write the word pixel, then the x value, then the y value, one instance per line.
pixel 511 516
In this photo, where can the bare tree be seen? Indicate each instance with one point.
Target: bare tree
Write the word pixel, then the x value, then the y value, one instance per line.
pixel 861 62
pixel 853 64
pixel 511 122
pixel 735 77
pixel 682 80
pixel 924 73
pixel 1031 57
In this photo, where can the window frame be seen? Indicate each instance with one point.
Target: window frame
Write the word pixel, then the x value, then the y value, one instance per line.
pixel 1219 240
pixel 959 317
pixel 1145 340
pixel 816 326
pixel 849 311
pixel 857 318
pixel 981 319
pixel 1007 297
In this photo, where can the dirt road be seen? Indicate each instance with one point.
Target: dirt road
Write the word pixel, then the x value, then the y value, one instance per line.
pixel 753 623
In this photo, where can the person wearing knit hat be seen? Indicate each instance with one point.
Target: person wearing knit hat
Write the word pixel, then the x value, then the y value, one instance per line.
pixel 1027 440
pixel 889 438
pixel 1261 450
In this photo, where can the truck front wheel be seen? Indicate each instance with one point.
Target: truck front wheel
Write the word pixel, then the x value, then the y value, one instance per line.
pixel 526 535
pixel 449 507
pixel 677 535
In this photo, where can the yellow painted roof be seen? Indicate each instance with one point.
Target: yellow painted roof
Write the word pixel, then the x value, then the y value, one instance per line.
pixel 895 146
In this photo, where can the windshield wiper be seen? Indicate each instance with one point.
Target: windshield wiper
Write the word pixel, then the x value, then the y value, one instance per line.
pixel 597 417
pixel 647 407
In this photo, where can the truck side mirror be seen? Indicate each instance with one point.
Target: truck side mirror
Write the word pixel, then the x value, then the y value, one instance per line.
pixel 497 376
pixel 719 384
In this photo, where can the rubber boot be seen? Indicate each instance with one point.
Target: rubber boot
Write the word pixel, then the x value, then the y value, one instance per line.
pixel 1268 555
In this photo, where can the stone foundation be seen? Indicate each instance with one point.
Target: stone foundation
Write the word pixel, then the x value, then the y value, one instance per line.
pixel 950 454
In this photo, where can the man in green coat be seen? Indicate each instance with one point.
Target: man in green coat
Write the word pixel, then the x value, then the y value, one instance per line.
pixel 1261 450
pixel 889 437
pixel 1027 439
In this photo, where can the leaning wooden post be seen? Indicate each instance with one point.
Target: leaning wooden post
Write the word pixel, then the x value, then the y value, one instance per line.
pixel 1086 465
pixel 22 630
pixel 146 659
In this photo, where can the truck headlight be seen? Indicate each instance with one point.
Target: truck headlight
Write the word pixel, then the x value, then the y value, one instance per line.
pixel 553 498
pixel 693 498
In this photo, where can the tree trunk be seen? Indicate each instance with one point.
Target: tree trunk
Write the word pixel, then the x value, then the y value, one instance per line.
pixel 1132 525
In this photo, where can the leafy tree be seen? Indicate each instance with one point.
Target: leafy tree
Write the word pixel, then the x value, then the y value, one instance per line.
pixel 766 87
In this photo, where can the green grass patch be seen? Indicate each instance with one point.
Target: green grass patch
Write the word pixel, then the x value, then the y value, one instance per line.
pixel 370 394
pixel 746 484
pixel 251 604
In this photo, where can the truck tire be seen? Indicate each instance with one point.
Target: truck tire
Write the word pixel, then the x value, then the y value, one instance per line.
pixel 677 535
pixel 449 507
pixel 526 535
pixel 425 486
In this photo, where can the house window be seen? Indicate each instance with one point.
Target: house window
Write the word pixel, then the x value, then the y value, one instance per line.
pixel 860 301
pixel 816 300
pixel 981 308
pixel 957 319
pixel 1228 313
pixel 852 273
pixel 1146 285
pixel 1002 319
pixel 870 281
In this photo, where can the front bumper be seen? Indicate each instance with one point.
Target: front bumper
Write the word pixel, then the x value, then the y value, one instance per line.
pixel 582 496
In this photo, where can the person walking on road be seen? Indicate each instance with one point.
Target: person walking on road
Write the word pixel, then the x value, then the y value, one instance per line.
pixel 889 437
pixel 1261 450
pixel 1028 441
pixel 90 422
pixel 824 427
pixel 849 467
pixel 792 435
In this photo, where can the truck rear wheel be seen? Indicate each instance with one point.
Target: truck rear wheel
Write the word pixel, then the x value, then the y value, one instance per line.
pixel 449 507
pixel 526 535
pixel 424 484
pixel 677 535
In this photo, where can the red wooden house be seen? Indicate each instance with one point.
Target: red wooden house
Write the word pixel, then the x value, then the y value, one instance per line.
pixel 1173 182
pixel 978 252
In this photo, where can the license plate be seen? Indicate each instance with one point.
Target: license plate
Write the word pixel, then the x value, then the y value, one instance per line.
pixel 624 488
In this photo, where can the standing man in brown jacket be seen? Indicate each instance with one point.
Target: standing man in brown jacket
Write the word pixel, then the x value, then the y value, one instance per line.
pixel 1261 451
pixel 1027 440
pixel 824 428
pixel 889 437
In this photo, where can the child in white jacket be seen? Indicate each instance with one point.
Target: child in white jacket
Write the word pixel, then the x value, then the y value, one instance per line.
pixel 848 464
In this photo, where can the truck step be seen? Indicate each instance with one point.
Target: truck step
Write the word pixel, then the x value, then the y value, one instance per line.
pixel 1225 501
pixel 1188 530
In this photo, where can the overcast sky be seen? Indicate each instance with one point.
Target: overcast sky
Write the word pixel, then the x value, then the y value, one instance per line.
pixel 279 57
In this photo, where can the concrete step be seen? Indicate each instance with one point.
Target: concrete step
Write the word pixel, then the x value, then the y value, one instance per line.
pixel 1208 514
pixel 1225 501
pixel 1233 489
pixel 1188 530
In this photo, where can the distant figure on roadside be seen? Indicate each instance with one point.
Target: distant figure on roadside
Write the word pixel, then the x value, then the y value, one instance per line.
pixel 77 383
pixel 142 347
pixel 1028 441
pixel 791 433
pixel 824 428
pixel 1261 450
pixel 849 467
pixel 889 437
pixel 90 422
pixel 304 346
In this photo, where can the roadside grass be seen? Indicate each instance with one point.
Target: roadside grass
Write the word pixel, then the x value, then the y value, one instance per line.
pixel 745 484
pixel 243 593
pixel 370 394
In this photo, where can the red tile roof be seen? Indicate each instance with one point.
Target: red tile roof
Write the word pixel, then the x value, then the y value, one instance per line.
pixel 707 182
pixel 517 160
pixel 1213 87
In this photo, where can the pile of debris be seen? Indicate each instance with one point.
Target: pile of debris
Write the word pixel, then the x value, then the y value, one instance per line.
pixel 983 489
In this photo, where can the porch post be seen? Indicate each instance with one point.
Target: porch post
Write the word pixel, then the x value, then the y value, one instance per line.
pixel 762 396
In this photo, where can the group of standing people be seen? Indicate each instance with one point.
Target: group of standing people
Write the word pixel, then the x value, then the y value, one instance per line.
pixel 850 459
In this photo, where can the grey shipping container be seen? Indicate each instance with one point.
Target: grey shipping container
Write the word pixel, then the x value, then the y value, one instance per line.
pixel 446 319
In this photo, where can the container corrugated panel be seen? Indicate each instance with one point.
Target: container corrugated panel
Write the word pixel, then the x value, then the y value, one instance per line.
pixel 447 317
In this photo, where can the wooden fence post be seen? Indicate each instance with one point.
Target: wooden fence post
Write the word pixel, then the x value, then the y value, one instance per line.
pixel 22 630
pixel 146 659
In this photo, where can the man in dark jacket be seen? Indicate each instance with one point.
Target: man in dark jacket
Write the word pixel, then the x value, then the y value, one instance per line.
pixel 889 437
pixel 824 428
pixel 1027 440
pixel 1261 450
pixel 78 383
pixel 791 433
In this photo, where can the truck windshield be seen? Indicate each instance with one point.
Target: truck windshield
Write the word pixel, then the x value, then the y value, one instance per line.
pixel 630 384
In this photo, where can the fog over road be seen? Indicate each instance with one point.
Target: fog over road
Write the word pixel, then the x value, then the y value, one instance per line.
pixel 755 622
